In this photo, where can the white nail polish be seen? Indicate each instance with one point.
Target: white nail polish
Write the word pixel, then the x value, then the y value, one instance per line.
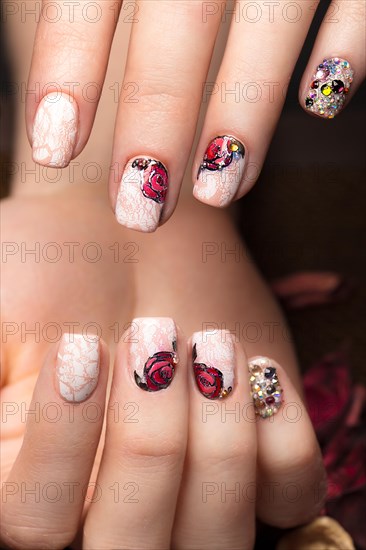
pixel 153 356
pixel 220 172
pixel 142 193
pixel 77 368
pixel 54 130
pixel 213 356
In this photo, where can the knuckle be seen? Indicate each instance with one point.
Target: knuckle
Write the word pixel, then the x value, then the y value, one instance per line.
pixel 354 11
pixel 300 459
pixel 232 457
pixel 158 95
pixel 25 534
pixel 154 450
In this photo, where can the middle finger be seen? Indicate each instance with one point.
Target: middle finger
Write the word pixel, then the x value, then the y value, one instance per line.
pixel 169 54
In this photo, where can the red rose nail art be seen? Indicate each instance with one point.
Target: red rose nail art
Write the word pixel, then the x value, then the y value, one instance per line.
pixel 155 179
pixel 209 379
pixel 221 152
pixel 142 193
pixel 158 371
pixel 221 171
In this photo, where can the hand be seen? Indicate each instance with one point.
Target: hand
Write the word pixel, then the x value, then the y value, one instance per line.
pixel 184 463
pixel 169 55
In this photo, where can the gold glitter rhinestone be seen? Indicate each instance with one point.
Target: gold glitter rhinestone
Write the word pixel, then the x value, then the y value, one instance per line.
pixel 252 379
pixel 234 147
pixel 255 370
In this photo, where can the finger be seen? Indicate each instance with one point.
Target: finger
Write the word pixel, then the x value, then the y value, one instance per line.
pixel 216 508
pixel 43 497
pixel 144 452
pixel 291 475
pixel 250 90
pixel 69 62
pixel 154 134
pixel 336 66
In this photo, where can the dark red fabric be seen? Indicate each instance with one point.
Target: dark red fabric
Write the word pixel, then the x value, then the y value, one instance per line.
pixel 337 408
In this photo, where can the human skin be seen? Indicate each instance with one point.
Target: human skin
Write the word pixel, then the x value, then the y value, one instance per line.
pixel 184 272
pixel 166 78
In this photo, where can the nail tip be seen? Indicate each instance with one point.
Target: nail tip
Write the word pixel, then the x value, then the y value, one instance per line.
pixel 221 172
pixel 142 194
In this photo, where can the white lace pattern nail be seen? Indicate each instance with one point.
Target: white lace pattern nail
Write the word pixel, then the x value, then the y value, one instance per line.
pixel 142 193
pixel 77 368
pixel 54 130
pixel 221 171
pixel 153 355
pixel 214 363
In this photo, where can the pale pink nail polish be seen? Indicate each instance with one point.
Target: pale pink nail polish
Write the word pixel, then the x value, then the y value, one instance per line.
pixel 213 356
pixel 55 130
pixel 153 355
pixel 142 194
pixel 220 172
pixel 77 368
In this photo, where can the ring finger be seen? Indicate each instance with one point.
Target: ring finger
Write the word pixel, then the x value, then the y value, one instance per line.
pixel 250 90
pixel 216 504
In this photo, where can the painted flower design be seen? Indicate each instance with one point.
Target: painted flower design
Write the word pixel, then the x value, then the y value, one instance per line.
pixel 221 152
pixel 154 184
pixel 158 371
pixel 209 380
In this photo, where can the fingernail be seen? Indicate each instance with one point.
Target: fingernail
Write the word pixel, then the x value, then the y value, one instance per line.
pixel 77 368
pixel 221 171
pixel 153 352
pixel 142 194
pixel 213 356
pixel 329 87
pixel 265 387
pixel 54 130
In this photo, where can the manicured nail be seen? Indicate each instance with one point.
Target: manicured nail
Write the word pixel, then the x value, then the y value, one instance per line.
pixel 221 171
pixel 329 87
pixel 142 194
pixel 54 130
pixel 153 356
pixel 265 387
pixel 213 356
pixel 77 367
